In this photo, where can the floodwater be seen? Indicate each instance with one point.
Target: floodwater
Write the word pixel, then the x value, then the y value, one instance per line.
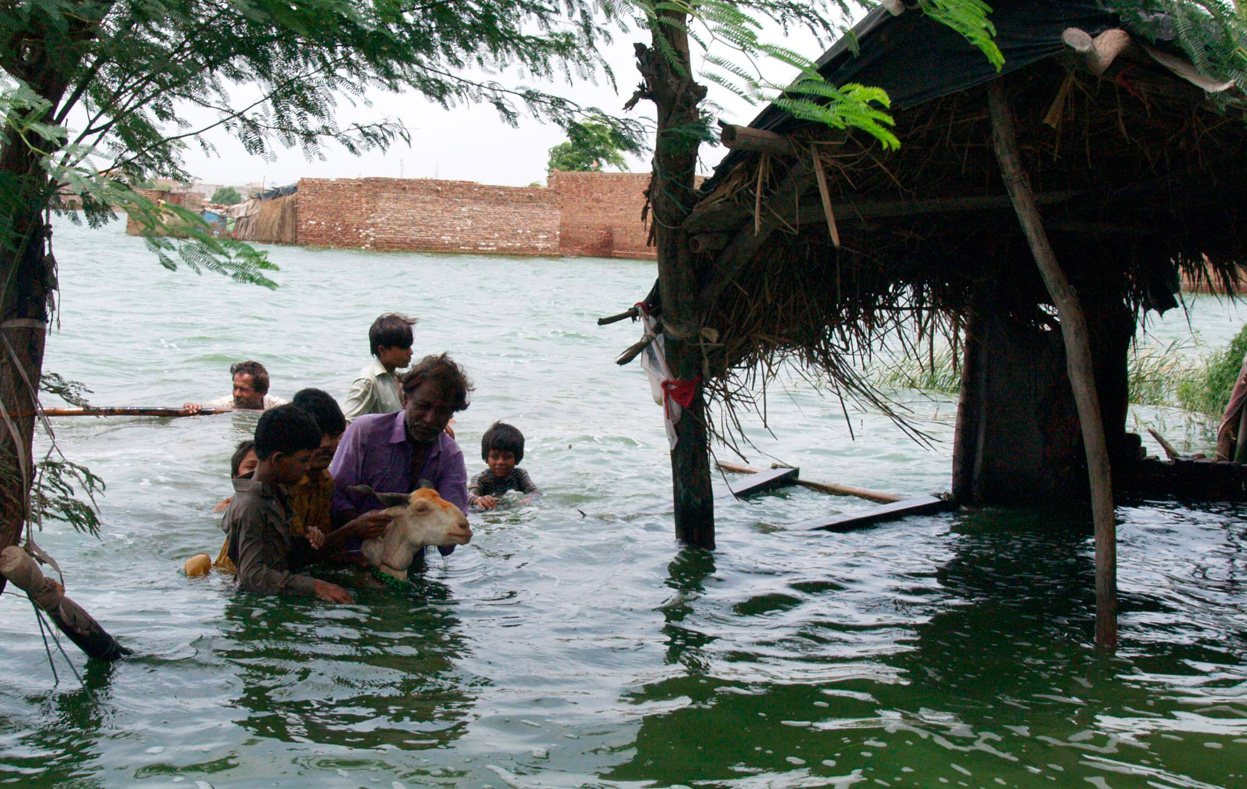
pixel 574 643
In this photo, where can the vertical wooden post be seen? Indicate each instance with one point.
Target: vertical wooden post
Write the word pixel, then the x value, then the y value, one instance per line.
pixel 667 70
pixel 1077 358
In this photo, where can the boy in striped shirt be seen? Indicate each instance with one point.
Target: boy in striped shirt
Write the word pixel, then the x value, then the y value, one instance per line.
pixel 502 448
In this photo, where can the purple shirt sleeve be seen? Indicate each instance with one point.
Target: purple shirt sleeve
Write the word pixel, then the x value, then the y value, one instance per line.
pixel 452 483
pixel 345 468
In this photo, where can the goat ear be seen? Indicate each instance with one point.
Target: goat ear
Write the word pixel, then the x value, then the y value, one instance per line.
pixel 386 499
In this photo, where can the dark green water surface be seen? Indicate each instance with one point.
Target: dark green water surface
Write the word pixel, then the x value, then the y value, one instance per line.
pixel 573 643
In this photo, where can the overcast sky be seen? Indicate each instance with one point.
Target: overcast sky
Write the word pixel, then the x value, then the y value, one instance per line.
pixel 468 143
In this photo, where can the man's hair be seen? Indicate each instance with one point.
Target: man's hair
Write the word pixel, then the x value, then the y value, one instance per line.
pixel 391 330
pixel 445 372
pixel 240 454
pixel 259 376
pixel 322 408
pixel 504 438
pixel 286 428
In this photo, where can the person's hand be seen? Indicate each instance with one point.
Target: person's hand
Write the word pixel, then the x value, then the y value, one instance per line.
pixel 450 431
pixel 316 537
pixel 332 593
pixel 192 408
pixel 369 525
pixel 486 502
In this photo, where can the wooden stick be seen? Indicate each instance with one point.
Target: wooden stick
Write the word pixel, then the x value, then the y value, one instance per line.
pixel 821 487
pixel 631 312
pixel 1165 445
pixel 132 411
pixel 1098 53
pixel 743 138
pixel 826 197
pixel 1077 359
pixel 73 621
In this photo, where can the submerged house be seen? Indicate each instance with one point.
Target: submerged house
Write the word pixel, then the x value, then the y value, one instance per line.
pixel 812 243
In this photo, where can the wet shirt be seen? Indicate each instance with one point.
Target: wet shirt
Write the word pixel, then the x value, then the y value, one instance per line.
pixel 486 484
pixel 258 525
pixel 375 452
pixel 374 391
pixel 228 402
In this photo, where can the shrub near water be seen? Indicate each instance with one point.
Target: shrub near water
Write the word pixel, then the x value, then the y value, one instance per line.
pixel 1209 390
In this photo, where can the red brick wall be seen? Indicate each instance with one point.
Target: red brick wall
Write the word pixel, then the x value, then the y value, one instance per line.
pixel 601 214
pixel 428 216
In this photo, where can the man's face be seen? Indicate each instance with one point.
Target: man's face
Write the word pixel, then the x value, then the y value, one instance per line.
pixel 323 455
pixel 428 410
pixel 291 466
pixel 245 395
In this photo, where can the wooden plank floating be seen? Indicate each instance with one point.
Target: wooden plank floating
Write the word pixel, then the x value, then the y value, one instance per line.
pixel 763 481
pixel 822 487
pixel 918 505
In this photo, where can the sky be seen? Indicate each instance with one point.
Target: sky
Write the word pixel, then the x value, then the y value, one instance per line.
pixel 468 143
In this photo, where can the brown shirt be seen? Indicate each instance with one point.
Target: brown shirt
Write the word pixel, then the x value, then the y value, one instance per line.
pixel 258 525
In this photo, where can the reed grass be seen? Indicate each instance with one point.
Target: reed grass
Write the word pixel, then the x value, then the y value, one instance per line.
pixel 1208 390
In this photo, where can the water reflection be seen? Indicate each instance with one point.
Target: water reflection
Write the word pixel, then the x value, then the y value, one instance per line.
pixel 63 746
pixel 378 674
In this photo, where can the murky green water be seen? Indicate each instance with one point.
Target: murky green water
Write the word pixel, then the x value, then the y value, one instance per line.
pixel 573 643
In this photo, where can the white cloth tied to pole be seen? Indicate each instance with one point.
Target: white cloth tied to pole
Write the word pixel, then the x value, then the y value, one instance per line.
pixel 654 362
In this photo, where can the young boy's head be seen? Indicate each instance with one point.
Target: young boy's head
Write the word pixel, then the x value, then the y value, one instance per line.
pixel 390 339
pixel 285 438
pixel 502 448
pixel 325 411
pixel 243 461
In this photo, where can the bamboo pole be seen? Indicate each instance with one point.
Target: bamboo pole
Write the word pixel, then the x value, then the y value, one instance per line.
pixel 1078 362
pixel 132 411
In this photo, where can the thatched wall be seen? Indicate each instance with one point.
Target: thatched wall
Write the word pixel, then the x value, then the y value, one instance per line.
pixel 272 221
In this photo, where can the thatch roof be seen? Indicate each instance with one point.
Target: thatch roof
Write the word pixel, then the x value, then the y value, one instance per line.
pixel 1137 170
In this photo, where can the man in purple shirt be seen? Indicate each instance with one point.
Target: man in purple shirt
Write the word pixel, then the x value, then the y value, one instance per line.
pixel 408 449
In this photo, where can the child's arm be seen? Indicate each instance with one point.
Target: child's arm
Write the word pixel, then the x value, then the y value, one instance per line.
pixel 526 484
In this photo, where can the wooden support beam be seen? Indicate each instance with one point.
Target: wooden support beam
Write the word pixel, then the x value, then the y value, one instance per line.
pixel 918 505
pixel 1098 53
pixel 1078 359
pixel 745 138
pixel 762 481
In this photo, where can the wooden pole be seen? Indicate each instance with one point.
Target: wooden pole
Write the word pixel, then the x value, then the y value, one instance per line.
pixel 132 411
pixel 1077 339
pixel 830 488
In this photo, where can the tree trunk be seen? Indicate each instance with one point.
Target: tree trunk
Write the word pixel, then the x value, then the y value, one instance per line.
pixel 669 83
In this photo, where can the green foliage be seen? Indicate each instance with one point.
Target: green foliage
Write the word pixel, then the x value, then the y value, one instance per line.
pixel 1208 391
pixel 226 195
pixel 1212 33
pixel 590 146
pixel 1156 373
pixel 55 495
pixel 970 19
pixel 72 392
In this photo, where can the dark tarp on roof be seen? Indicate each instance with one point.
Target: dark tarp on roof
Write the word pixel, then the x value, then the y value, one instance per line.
pixel 917 59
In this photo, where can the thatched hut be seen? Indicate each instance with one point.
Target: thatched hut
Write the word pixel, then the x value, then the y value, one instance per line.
pixel 812 243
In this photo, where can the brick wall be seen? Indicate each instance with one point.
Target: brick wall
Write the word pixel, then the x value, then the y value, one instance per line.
pixel 427 215
pixel 601 214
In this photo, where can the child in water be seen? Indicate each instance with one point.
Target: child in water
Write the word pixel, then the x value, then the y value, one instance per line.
pixel 502 448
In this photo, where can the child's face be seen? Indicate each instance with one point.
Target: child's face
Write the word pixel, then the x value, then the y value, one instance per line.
pixel 323 455
pixel 501 462
pixel 393 356
pixel 248 464
pixel 290 467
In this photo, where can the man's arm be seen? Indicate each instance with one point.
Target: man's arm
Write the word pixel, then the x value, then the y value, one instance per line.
pixel 358 399
pixel 345 470
pixel 453 486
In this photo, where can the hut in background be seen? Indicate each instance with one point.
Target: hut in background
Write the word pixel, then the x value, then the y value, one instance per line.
pixel 270 217
pixel 813 244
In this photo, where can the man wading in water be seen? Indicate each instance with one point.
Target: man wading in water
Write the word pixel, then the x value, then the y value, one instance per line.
pixel 250 391
pixel 406 450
